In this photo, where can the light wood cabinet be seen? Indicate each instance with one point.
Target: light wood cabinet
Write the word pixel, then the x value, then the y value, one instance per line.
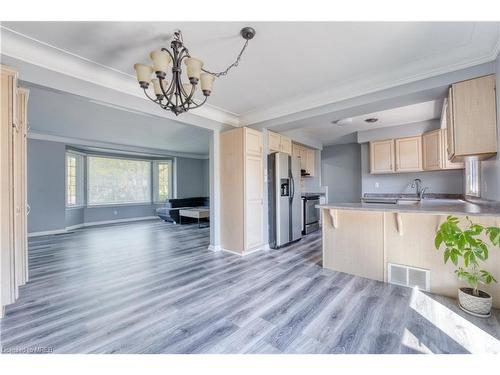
pixel 13 234
pixel 242 182
pixel 408 154
pixel 307 158
pixel 435 157
pixel 382 156
pixel 279 143
pixel 471 118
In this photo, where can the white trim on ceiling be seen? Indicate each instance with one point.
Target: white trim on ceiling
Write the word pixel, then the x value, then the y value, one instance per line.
pixel 41 54
pixel 113 146
pixel 36 52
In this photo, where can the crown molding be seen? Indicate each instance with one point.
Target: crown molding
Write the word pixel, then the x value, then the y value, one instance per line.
pixel 113 146
pixel 24 48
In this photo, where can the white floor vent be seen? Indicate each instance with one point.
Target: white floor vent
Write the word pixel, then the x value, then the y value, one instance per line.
pixel 409 276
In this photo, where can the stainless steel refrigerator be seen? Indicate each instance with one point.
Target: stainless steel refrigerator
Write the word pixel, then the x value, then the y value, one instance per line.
pixel 284 198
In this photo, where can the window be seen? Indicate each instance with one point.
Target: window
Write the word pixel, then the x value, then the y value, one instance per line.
pixel 74 179
pixel 163 180
pixel 118 181
pixel 472 177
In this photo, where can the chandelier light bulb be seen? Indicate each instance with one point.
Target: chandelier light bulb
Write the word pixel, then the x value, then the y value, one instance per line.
pixel 207 81
pixel 193 69
pixel 143 73
pixel 161 61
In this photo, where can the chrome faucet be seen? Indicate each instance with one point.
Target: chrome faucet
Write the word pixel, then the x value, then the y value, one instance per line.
pixel 419 190
pixel 417 185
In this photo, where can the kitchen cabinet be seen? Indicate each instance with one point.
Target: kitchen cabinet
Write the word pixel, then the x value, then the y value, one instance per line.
pixel 307 158
pixel 242 182
pixel 471 119
pixel 435 156
pixel 408 154
pixel 279 143
pixel 382 156
pixel 13 234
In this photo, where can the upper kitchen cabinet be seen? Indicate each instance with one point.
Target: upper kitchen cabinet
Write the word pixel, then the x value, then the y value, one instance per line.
pixel 409 154
pixel 471 119
pixel 279 143
pixel 382 156
pixel 434 144
pixel 307 158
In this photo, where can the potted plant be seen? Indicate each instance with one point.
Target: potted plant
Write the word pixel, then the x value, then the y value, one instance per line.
pixel 471 245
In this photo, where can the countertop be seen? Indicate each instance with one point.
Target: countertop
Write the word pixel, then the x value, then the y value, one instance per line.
pixel 431 206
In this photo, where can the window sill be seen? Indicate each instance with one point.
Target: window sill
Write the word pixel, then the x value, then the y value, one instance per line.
pixel 118 205
pixel 75 207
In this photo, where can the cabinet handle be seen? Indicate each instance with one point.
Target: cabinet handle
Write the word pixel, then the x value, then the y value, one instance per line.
pixel 15 126
pixel 28 209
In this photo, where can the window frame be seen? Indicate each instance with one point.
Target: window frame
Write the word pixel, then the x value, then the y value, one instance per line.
pixel 115 204
pixel 79 177
pixel 156 178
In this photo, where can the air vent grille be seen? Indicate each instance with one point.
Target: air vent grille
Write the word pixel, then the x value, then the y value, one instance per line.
pixel 409 276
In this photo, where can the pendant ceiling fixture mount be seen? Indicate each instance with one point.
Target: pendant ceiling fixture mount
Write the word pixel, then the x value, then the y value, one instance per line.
pixel 175 95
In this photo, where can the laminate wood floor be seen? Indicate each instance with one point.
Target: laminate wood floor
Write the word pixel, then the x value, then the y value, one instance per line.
pixel 153 287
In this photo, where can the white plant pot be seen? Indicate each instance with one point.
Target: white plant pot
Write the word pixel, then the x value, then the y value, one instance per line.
pixel 475 305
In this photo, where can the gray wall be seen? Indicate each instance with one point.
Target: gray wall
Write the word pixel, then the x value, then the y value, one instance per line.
pixel 46 187
pixel 341 172
pixel 491 168
pixel 437 181
pixel 192 177
pixel 46 190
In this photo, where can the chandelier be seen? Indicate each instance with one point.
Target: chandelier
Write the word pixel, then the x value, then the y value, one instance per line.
pixel 170 91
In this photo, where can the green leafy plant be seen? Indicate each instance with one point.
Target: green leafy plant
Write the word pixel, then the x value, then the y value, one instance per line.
pixel 467 244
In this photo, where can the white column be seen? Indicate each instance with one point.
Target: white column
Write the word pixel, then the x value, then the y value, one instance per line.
pixel 265 201
pixel 214 169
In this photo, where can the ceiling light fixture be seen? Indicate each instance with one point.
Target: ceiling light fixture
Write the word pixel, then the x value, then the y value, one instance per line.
pixel 175 95
pixel 371 120
pixel 342 122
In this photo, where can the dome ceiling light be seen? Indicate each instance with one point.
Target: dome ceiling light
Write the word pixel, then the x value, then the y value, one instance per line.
pixel 170 91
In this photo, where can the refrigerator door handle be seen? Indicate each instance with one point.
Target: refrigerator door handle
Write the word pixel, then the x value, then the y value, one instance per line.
pixel 292 186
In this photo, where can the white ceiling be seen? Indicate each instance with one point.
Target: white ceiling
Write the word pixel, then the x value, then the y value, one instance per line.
pixel 69 116
pixel 345 131
pixel 288 66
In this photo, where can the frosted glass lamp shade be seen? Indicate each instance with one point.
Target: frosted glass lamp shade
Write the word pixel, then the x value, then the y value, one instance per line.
pixel 161 61
pixel 207 81
pixel 143 73
pixel 156 86
pixel 193 69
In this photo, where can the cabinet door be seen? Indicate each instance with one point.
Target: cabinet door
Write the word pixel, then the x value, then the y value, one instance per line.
pixel 432 150
pixel 274 140
pixel 253 141
pixel 286 145
pixel 447 164
pixel 253 202
pixel 382 156
pixel 311 161
pixel 409 154
pixel 474 117
pixel 450 145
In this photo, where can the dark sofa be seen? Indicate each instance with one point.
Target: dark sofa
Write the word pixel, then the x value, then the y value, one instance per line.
pixel 170 211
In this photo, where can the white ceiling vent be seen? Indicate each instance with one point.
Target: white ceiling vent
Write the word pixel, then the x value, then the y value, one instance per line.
pixel 409 276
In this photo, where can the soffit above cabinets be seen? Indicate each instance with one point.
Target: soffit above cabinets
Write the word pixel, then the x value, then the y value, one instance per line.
pixel 288 67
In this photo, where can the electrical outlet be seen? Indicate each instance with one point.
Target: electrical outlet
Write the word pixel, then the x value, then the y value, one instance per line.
pixel 377 185
pixel 115 212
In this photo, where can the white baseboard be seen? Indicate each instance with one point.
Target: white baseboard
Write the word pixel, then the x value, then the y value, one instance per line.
pixel 94 223
pixel 90 224
pixel 251 251
pixel 214 248
pixel 46 233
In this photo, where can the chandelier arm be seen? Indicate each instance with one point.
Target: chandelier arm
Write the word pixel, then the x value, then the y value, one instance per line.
pixel 199 104
pixel 157 101
pixel 167 51
pixel 167 97
pixel 234 64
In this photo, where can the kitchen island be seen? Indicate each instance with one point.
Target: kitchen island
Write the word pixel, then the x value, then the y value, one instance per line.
pixel 366 239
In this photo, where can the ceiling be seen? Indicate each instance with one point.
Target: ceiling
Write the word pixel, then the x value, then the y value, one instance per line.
pixel 73 117
pixel 290 66
pixel 345 130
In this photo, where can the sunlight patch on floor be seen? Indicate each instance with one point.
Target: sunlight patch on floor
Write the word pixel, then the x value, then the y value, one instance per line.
pixel 411 341
pixel 468 335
